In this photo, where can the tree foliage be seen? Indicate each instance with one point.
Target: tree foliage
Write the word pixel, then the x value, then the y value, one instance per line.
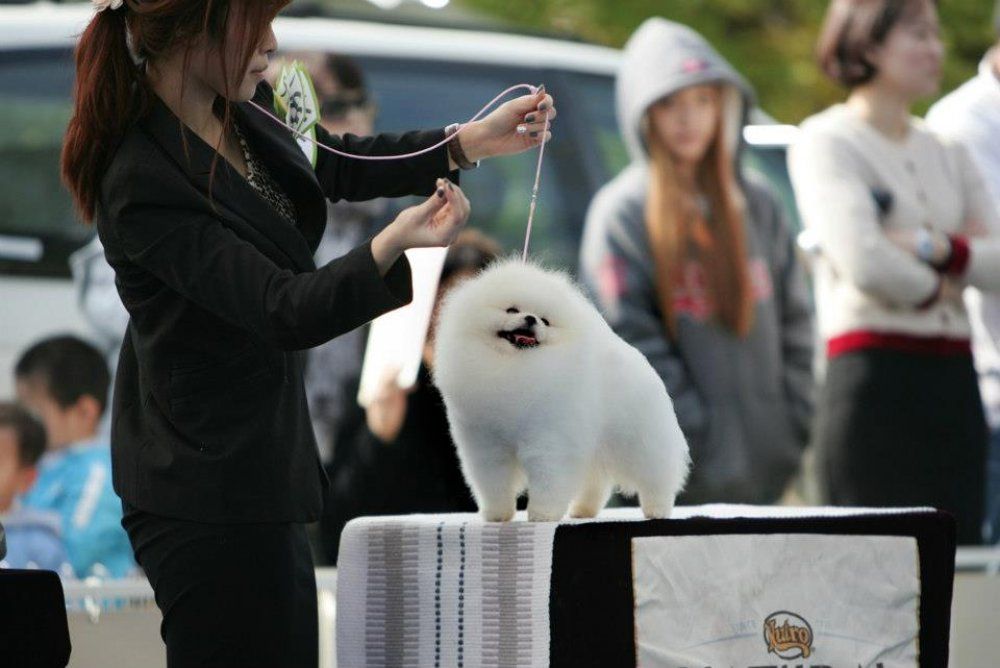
pixel 771 41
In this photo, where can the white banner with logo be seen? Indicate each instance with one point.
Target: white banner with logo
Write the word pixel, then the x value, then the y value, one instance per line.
pixel 742 601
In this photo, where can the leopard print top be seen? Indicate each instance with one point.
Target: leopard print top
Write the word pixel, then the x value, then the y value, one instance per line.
pixel 262 181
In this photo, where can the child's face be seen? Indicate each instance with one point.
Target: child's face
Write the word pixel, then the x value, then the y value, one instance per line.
pixel 63 425
pixel 15 478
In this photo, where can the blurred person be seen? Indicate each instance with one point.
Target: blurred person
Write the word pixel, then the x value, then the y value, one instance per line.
pixel 396 456
pixel 63 380
pixel 692 262
pixel 903 221
pixel 33 536
pixel 102 309
pixel 971 115
pixel 346 107
pixel 210 213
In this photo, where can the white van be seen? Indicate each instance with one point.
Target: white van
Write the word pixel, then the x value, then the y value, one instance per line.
pixel 420 76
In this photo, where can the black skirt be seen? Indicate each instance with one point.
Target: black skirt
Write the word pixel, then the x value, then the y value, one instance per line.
pixel 903 429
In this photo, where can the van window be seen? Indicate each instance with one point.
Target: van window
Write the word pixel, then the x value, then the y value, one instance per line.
pixel 594 95
pixel 771 163
pixel 428 94
pixel 38 229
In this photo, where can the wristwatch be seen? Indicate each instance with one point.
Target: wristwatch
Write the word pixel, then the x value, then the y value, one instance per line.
pixel 924 242
pixel 455 149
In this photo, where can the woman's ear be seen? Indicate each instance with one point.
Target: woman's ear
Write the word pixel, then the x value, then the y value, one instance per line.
pixel 871 58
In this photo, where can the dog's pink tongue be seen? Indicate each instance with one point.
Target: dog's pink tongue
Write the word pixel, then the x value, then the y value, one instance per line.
pixel 524 340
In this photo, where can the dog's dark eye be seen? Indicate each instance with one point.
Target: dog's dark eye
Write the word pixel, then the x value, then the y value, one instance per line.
pixel 513 309
pixel 545 320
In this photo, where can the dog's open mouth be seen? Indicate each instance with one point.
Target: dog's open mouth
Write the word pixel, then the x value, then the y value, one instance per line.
pixel 520 338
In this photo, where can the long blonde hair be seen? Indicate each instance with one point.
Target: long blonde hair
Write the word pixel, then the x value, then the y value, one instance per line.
pixel 675 238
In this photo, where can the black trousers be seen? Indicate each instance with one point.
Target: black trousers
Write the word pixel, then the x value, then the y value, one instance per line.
pixel 903 429
pixel 231 594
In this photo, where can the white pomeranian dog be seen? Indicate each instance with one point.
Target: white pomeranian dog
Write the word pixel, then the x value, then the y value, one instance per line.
pixel 542 395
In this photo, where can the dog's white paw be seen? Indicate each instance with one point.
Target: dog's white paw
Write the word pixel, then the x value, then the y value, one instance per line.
pixel 657 511
pixel 579 511
pixel 544 515
pixel 497 515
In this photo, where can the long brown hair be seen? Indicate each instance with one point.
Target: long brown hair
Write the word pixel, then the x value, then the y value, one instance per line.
pixel 851 28
pixel 111 90
pixel 677 235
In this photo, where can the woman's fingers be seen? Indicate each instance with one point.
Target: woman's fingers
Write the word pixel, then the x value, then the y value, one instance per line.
pixel 532 108
pixel 535 138
pixel 433 203
pixel 464 207
pixel 535 130
pixel 535 121
pixel 450 196
pixel 535 134
pixel 538 115
pixel 437 220
pixel 528 103
pixel 453 216
pixel 456 198
pixel 545 105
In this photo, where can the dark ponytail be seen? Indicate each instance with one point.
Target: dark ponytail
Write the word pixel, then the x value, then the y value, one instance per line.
pixel 109 92
pixel 112 92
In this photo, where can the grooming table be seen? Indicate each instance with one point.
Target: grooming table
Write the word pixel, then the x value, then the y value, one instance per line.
pixel 34 630
pixel 713 586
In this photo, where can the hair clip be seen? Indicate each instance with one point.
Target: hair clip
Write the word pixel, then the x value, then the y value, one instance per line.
pixel 101 5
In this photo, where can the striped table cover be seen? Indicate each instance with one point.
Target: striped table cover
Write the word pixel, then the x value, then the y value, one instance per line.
pixel 445 590
pixel 431 591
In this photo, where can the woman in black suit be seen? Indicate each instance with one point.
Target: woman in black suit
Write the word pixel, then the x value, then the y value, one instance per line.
pixel 209 214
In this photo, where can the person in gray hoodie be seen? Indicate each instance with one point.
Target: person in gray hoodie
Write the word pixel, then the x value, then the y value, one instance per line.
pixel 692 262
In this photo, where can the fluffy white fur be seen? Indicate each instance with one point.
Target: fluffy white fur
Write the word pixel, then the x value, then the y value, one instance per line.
pixel 568 418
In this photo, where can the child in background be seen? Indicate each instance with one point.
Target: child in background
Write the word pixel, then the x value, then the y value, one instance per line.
pixel 32 536
pixel 64 381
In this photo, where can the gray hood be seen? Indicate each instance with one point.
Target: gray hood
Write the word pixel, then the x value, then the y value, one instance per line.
pixel 663 57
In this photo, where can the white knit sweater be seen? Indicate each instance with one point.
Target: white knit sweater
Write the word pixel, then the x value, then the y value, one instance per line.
pixel 971 115
pixel 863 281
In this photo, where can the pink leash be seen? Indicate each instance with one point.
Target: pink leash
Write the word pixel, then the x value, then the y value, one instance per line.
pixel 538 168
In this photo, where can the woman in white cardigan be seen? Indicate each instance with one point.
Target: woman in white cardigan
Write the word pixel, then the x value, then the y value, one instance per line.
pixel 904 223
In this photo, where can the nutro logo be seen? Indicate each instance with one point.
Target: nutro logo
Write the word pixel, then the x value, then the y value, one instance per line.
pixel 788 635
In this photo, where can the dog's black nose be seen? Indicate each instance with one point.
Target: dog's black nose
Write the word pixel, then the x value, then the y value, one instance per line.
pixel 530 320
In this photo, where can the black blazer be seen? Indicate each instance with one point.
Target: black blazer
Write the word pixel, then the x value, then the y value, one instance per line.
pixel 209 417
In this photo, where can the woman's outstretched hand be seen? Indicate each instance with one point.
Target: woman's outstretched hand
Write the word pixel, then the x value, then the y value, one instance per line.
pixel 386 413
pixel 498 133
pixel 435 222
